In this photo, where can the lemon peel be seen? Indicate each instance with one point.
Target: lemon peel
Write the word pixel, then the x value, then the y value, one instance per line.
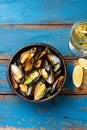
pixel 77 76
pixel 83 62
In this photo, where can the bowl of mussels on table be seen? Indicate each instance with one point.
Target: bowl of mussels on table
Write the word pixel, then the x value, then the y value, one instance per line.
pixel 37 72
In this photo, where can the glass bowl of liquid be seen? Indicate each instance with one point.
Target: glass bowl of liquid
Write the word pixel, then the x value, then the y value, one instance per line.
pixel 78 39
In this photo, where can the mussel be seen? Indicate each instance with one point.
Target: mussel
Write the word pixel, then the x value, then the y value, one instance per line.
pixel 60 81
pixel 32 77
pixel 44 73
pixel 40 54
pixel 38 64
pixel 37 73
pixel 57 84
pixel 17 73
pixel 48 74
pixel 54 86
pixel 26 56
pixel 30 90
pixel 29 65
pixel 39 90
pixel 15 85
pixel 23 88
pixel 55 61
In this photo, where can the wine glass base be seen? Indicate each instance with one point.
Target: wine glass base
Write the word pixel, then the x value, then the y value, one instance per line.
pixel 76 52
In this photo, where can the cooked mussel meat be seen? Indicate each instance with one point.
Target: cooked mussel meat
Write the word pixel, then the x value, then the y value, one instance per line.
pixel 60 81
pixel 38 64
pixel 23 88
pixel 55 61
pixel 37 73
pixel 32 77
pixel 44 73
pixel 57 84
pixel 17 73
pixel 39 90
pixel 50 75
pixel 14 83
pixel 29 65
pixel 27 55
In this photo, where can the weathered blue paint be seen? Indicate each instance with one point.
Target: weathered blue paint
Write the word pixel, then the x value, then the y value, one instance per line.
pixel 64 112
pixel 69 84
pixel 11 39
pixel 38 11
pixel 4 87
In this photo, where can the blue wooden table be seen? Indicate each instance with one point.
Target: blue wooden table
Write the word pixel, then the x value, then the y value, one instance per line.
pixel 48 21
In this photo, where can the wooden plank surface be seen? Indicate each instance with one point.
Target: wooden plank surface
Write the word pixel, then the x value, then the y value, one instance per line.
pixel 17 113
pixel 23 22
pixel 32 11
pixel 63 113
pixel 13 37
pixel 69 88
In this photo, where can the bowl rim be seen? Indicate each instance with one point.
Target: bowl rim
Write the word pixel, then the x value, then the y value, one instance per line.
pixel 32 45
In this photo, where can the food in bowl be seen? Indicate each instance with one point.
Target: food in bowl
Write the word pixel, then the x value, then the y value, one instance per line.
pixel 37 72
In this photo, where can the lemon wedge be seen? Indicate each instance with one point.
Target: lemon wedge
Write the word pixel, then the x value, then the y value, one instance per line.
pixel 83 63
pixel 77 76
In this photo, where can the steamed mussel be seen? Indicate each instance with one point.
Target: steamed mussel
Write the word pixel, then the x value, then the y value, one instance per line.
pixel 38 73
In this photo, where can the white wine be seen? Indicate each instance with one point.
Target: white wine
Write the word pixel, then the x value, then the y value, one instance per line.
pixel 78 39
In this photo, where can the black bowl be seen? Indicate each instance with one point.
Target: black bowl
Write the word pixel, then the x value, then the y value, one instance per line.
pixel 25 48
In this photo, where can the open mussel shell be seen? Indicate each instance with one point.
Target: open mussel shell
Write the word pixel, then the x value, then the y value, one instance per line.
pixel 15 85
pixel 57 84
pixel 38 64
pixel 17 73
pixel 44 73
pixel 40 54
pixel 51 77
pixel 54 86
pixel 33 76
pixel 27 55
pixel 29 65
pixel 39 90
pixel 48 74
pixel 55 61
pixel 22 59
pixel 22 89
pixel 30 90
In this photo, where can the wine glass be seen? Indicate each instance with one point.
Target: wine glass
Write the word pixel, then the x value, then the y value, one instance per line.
pixel 78 39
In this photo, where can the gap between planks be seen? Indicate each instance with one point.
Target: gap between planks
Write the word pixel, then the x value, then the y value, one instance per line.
pixel 13 128
pixel 49 25
pixel 67 58
pixel 7 57
pixel 60 94
pixel 4 59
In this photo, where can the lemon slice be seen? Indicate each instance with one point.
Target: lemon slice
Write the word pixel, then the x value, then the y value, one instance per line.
pixel 83 63
pixel 77 76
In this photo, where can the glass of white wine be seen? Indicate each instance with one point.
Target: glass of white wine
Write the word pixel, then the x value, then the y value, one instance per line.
pixel 78 39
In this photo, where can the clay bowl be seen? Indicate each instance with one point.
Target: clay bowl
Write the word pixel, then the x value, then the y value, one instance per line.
pixel 28 47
